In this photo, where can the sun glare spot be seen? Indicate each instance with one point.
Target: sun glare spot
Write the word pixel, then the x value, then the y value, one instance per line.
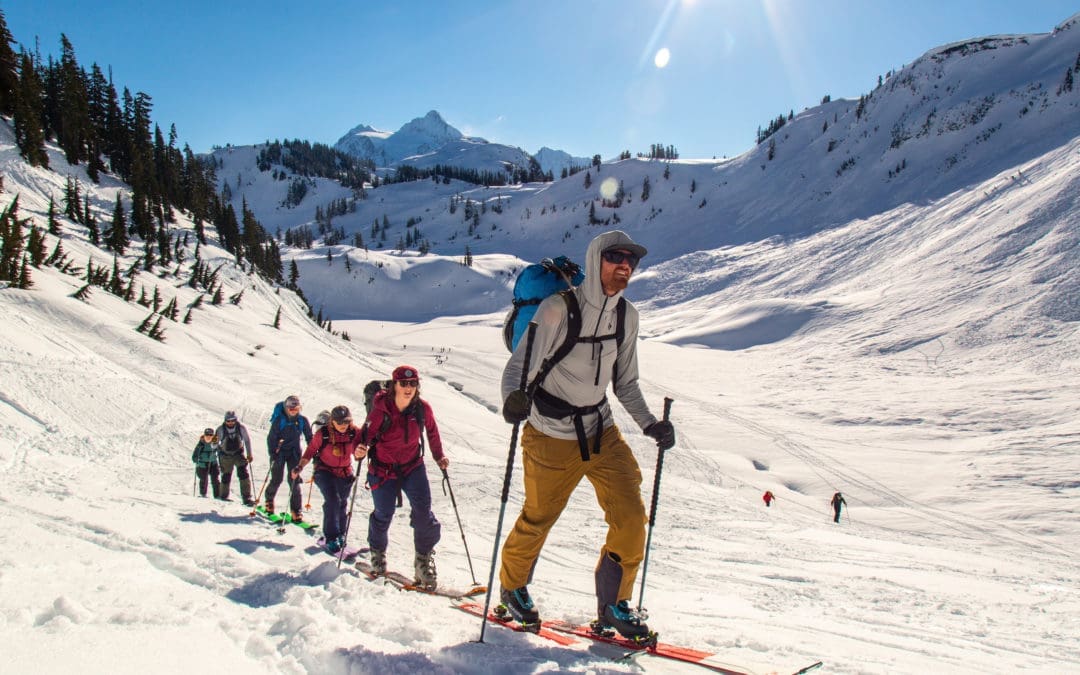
pixel 608 188
pixel 663 55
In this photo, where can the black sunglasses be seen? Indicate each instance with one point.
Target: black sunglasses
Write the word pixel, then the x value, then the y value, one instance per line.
pixel 617 257
pixel 409 383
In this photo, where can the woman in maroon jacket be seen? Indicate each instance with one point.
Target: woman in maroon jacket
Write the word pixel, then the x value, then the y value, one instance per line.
pixel 333 448
pixel 395 439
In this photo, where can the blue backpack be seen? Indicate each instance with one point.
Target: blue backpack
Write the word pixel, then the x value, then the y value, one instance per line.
pixel 534 283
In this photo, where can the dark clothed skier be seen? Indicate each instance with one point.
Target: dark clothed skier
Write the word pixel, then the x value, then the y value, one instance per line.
pixel 205 460
pixel 333 449
pixel 283 444
pixel 234 452
pixel 837 502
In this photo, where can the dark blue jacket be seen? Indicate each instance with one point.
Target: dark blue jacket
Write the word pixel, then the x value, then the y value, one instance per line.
pixel 286 432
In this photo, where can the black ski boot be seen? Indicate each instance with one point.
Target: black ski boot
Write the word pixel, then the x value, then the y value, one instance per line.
pixel 628 622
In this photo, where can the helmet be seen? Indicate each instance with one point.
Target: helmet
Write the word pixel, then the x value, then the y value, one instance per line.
pixel 341 414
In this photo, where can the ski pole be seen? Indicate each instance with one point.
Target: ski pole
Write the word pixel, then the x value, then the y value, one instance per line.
pixel 311 484
pixel 348 519
pixel 295 488
pixel 506 481
pixel 258 497
pixel 652 509
pixel 453 502
pixel 195 480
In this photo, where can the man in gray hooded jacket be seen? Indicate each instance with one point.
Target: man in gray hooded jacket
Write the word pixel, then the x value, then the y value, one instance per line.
pixel 571 432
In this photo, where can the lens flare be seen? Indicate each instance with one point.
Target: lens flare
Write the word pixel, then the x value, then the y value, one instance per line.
pixel 663 55
pixel 608 188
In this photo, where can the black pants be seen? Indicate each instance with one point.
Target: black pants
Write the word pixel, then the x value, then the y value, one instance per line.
pixel 277 475
pixel 211 472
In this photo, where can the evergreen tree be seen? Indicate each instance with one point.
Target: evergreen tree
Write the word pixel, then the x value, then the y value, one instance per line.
pixel 218 297
pixel 187 317
pixel 29 111
pixel 9 78
pixel 117 239
pixel 83 293
pixel 157 332
pixel 35 247
pixel 588 180
pixel 145 325
pixel 25 281
pixel 11 241
pixel 116 281
pixel 91 222
pixel 58 256
pixel 72 200
pixel 54 222
pixel 169 309
pixel 156 301
pixel 277 319
pixel 645 189
pixel 294 274
pixel 72 124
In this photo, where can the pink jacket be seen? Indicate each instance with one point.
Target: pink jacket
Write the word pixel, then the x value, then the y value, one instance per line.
pixel 335 456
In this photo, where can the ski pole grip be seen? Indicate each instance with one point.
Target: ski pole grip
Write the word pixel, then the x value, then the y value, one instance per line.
pixel 667 408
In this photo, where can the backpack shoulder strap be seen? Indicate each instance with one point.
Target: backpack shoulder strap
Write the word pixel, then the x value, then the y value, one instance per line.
pixel 573 332
pixel 620 321
pixel 620 333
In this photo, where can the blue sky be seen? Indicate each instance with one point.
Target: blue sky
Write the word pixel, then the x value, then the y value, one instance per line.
pixel 576 75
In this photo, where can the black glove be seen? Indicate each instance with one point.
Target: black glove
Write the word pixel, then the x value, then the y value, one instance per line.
pixel 663 432
pixel 516 407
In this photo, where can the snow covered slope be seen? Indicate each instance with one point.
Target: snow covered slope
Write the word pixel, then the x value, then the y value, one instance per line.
pixel 922 357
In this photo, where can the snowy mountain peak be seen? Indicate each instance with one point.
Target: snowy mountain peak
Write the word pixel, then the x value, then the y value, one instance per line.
pixel 427 141
pixel 432 128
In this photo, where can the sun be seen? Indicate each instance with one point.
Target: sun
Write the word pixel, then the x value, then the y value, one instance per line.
pixel 663 55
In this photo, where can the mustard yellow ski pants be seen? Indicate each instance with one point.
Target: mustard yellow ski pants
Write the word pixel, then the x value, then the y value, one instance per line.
pixel 553 469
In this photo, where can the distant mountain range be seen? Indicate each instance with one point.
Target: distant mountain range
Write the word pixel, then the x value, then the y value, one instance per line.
pixel 429 140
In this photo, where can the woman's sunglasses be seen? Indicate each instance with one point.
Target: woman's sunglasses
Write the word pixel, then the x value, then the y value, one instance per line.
pixel 409 383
